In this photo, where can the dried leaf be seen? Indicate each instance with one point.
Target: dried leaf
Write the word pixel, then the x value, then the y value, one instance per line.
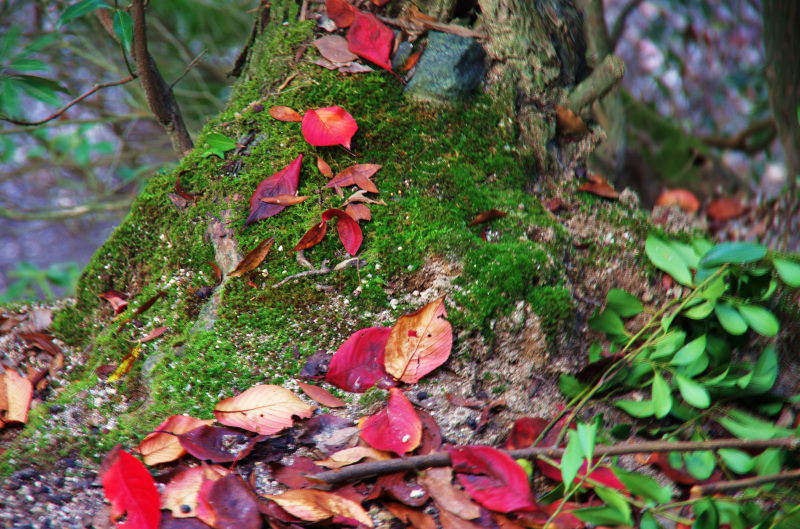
pixel 341 12
pixel 568 123
pixel 316 505
pixel 439 484
pixel 334 48
pixel 131 491
pixel 162 444
pixel 16 393
pixel 356 67
pixel 358 364
pixel 552 204
pixel 228 503
pixel 285 200
pixel 182 192
pixel 126 364
pixel 487 216
pixel 118 300
pixel 369 38
pixel 265 409
pixel 312 237
pixel 324 168
pixel 285 114
pixel 149 303
pixel 180 494
pixel 358 174
pixel 254 258
pixel 413 517
pixel 598 185
pixel 419 343
pixel 284 182
pixel 328 126
pixel 358 212
pixel 682 198
pixel 348 456
pixel 152 335
pixel 412 61
pixel 724 209
pixel 359 196
pixel 396 428
pixel 321 395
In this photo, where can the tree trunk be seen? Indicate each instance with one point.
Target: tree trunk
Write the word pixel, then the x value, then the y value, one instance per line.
pixel 519 290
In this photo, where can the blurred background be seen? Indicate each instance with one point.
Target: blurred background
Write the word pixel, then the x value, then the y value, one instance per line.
pixel 692 112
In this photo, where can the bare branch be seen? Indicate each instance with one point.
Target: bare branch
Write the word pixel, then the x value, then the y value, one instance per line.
pixel 740 141
pixel 736 484
pixel 188 68
pixel 619 24
pixel 66 213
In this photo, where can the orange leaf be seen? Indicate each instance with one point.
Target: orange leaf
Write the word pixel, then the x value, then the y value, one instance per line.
pixel 285 114
pixel 412 61
pixel 16 393
pixel 181 492
pixel 324 168
pixel 349 456
pixel 598 185
pixel 162 444
pixel 419 343
pixel 682 198
pixel 358 212
pixel 487 216
pixel 254 258
pixel 317 505
pixel 284 200
pixel 264 409
pixel 413 517
pixel 723 209
pixel 321 395
pixel 328 126
pixel 439 484
pixel 396 428
pixel 341 12
pixel 568 123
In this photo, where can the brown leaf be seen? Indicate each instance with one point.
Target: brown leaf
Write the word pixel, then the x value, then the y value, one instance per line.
pixel 16 393
pixel 359 196
pixel 217 271
pixel 152 335
pixel 334 48
pixel 598 185
pixel 412 61
pixel 552 204
pixel 285 114
pixel 349 456
pixel 439 484
pixel 254 258
pixel 321 395
pixel 682 198
pixel 317 505
pixel 358 174
pixel 182 192
pixel 324 168
pixel 312 237
pixel 149 303
pixel 413 517
pixel 118 300
pixel 358 212
pixel 487 216
pixel 723 209
pixel 284 200
pixel 568 123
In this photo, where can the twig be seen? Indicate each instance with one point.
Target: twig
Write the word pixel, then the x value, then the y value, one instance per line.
pixel 188 68
pixel 69 105
pixel 288 80
pixel 421 25
pixel 322 270
pixel 619 24
pixel 442 459
pixel 67 213
pixel 739 142
pixel 602 79
pixel 65 122
pixel 736 484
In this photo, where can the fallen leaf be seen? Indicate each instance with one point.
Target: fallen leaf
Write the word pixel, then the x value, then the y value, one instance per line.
pixel 451 521
pixel 348 229
pixel 228 503
pixel 149 303
pixel 316 505
pixel 321 395
pixel 325 63
pixel 413 517
pixel 182 192
pixel 328 126
pixel 358 364
pixel 125 364
pixel 723 209
pixel 682 198
pixel 396 487
pixel 552 204
pixel 492 478
pixel 328 433
pixel 324 168
pixel 358 174
pixel 340 12
pixel 334 48
pixel 312 237
pixel 216 444
pixel 285 114
pixel 265 409
pixel 285 200
pixel 598 185
pixel 358 212
pixel 524 432
pixel 295 475
pixel 253 258
pixel 152 335
pixel 356 67
pixel 162 444
pixel 396 428
pixel 431 434
pixel 369 38
pixel 568 123
pixel 359 196
pixel 131 490
pixel 412 61
pixel 348 456
pixel 16 393
pixel 180 494
pixel 118 300
pixel 439 484
pixel 380 3
pixel 284 182
pixel 487 216
pixel 419 343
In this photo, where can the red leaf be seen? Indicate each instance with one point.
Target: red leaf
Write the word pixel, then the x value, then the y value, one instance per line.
pixel 321 395
pixel 492 478
pixel 358 174
pixel 396 428
pixel 358 363
pixel 349 231
pixel 340 12
pixel 723 209
pixel 117 299
pixel 228 503
pixel 284 182
pixel 152 335
pixel 215 444
pixel 328 126
pixel 682 198
pixel 312 237
pixel 369 38
pixel 285 114
pixel 131 491
pixel 419 343
pixel 524 432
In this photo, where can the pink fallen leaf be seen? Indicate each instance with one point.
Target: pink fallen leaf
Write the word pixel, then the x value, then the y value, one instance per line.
pixel 324 168
pixel 265 409
pixel 284 182
pixel 371 39
pixel 180 494
pixel 329 126
pixel 419 343
pixel 396 428
pixel 131 490
pixel 358 364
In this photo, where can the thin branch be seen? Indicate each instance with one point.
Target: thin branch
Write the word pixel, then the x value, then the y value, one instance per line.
pixel 736 484
pixel 88 121
pixel 66 213
pixel 739 142
pixel 188 68
pixel 442 459
pixel 322 270
pixel 619 24
pixel 69 105
pixel 602 79
pixel 420 25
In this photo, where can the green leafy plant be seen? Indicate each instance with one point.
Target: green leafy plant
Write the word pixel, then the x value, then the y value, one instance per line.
pixel 32 282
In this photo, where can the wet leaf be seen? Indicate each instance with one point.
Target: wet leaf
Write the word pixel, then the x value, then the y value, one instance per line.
pixel 568 123
pixel 358 174
pixel 284 182
pixel 348 229
pixel 328 126
pixel 396 428
pixel 215 444
pixel 316 505
pixel 162 444
pixel 349 456
pixel 324 168
pixel 419 343
pixel 321 395
pixel 341 12
pixel 16 393
pixel 334 48
pixel 369 38
pixel 285 114
pixel 683 198
pixel 358 363
pixel 724 209
pixel 118 300
pixel 487 216
pixel 265 409
pixel 253 258
pixel 131 491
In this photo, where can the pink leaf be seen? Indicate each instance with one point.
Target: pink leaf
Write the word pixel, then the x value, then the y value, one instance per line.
pixel 284 182
pixel 131 490
pixel 369 38
pixel 397 428
pixel 358 363
pixel 328 126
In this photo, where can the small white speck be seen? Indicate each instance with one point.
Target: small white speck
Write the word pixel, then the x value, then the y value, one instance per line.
pixel 405 438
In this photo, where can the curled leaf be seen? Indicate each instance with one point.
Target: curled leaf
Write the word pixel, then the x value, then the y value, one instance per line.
pixel 568 123
pixel 349 456
pixel 324 168
pixel 348 229
pixel 285 200
pixel 118 300
pixel 598 185
pixel 16 393
pixel 358 174
pixel 682 198
pixel 487 216
pixel 358 212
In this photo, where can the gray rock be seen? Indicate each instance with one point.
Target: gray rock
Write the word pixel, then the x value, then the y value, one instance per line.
pixel 451 68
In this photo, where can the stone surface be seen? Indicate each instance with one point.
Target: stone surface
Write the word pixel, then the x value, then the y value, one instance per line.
pixel 451 68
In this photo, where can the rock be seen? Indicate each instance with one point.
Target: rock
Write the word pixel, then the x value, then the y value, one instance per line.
pixel 401 55
pixel 451 68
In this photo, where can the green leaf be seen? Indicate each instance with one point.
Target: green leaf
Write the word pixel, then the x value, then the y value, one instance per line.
pixel 690 352
pixel 9 40
pixel 707 515
pixel 733 252
pixel 644 486
pixel 700 311
pixel 648 521
pixel 616 501
pixel 662 396
pixel 28 65
pixel 570 386
pixel 745 426
pixel 769 461
pixel 218 145
pixel 665 258
pixel 623 303
pixel 687 253
pixel 730 319
pixel 765 372
pixel 40 88
pixel 572 459
pixel 760 319
pixel 714 290
pixel 601 516
pixel 636 408
pixel 80 9
pixel 700 464
pixel 587 435
pixel 608 322
pixel 667 345
pixel 788 271
pixel 692 392
pixel 123 29
pixel 736 460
